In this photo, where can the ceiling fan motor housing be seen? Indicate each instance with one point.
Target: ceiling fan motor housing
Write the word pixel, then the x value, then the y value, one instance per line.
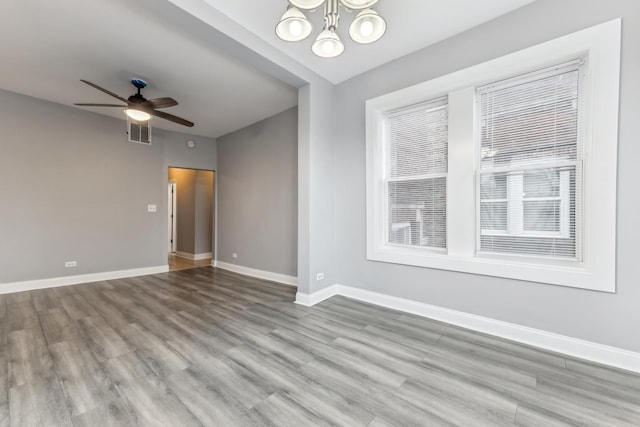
pixel 139 83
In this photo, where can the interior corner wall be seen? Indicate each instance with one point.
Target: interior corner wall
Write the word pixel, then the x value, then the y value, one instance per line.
pixel 203 220
pixel 77 190
pixel 257 195
pixel 610 319
pixel 319 158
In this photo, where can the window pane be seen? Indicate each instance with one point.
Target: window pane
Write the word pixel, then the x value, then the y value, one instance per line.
pixel 419 141
pixel 529 245
pixel 493 186
pixel 493 216
pixel 418 212
pixel 543 216
pixel 528 127
pixel 542 183
pixel 530 122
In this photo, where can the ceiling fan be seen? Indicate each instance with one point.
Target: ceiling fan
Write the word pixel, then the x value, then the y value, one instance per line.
pixel 138 107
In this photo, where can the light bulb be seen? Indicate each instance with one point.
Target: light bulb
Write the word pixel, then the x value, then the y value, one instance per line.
pixel 327 47
pixel 137 115
pixel 366 28
pixel 295 28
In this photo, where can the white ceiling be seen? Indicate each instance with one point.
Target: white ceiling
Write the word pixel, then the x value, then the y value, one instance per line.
pixel 411 25
pixel 48 46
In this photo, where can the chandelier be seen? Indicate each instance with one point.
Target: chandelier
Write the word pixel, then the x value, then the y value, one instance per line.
pixel 367 27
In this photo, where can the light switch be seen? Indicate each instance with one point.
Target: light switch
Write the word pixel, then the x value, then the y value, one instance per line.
pixel 152 208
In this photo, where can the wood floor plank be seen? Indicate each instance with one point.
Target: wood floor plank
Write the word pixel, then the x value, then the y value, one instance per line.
pixel 328 405
pixel 235 379
pixel 29 357
pixel 380 422
pixel 18 297
pixel 153 404
pixel 117 318
pixel 364 367
pixel 21 315
pixel 207 401
pixel 38 403
pixel 58 326
pixel 102 339
pixel 77 307
pixel 455 400
pixel 111 414
pixel 44 299
pixel 84 383
pixel 281 410
pixel 162 360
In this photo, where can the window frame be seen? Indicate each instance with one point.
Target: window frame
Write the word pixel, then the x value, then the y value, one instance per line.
pixel 599 46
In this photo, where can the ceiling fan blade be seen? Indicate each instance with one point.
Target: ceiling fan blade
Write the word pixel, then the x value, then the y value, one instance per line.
pixel 108 92
pixel 172 118
pixel 162 102
pixel 100 105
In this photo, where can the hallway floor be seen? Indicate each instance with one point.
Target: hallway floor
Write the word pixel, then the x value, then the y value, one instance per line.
pixel 177 263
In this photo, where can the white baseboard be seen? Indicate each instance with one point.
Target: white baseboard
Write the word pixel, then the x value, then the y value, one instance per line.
pixel 316 297
pixel 29 285
pixel 582 349
pixel 260 274
pixel 194 257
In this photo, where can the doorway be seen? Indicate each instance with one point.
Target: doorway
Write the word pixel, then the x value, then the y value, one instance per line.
pixel 191 218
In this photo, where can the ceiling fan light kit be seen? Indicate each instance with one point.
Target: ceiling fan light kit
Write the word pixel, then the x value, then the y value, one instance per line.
pixel 137 115
pixel 367 27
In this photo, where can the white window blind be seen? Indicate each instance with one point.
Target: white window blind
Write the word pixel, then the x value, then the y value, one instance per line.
pixel 530 176
pixel 416 175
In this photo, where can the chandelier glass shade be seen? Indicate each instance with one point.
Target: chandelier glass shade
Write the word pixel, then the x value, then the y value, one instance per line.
pixel 367 27
pixel 293 26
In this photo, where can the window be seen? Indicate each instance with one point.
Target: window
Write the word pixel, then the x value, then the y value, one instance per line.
pixel 506 168
pixel 531 150
pixel 417 175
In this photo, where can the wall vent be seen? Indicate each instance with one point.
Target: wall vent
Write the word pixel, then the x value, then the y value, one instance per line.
pixel 139 132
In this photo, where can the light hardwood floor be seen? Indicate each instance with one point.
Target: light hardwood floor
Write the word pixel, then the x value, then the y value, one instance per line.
pixel 208 347
pixel 177 263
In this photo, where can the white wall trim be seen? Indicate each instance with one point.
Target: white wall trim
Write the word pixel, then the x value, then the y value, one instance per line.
pixel 260 274
pixel 582 349
pixel 599 46
pixel 194 257
pixel 316 297
pixel 29 285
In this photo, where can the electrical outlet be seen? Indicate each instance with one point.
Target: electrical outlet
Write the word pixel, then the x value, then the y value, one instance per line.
pixel 152 208
pixel 70 264
pixel 320 276
pixel 235 255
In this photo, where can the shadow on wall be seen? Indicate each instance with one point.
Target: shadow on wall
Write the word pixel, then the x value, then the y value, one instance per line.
pixel 194 224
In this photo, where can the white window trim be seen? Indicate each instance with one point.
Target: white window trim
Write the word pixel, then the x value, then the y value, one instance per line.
pixel 600 46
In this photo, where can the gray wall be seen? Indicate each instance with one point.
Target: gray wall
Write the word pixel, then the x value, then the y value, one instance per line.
pixel 610 319
pixel 257 195
pixel 75 189
pixel 203 221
